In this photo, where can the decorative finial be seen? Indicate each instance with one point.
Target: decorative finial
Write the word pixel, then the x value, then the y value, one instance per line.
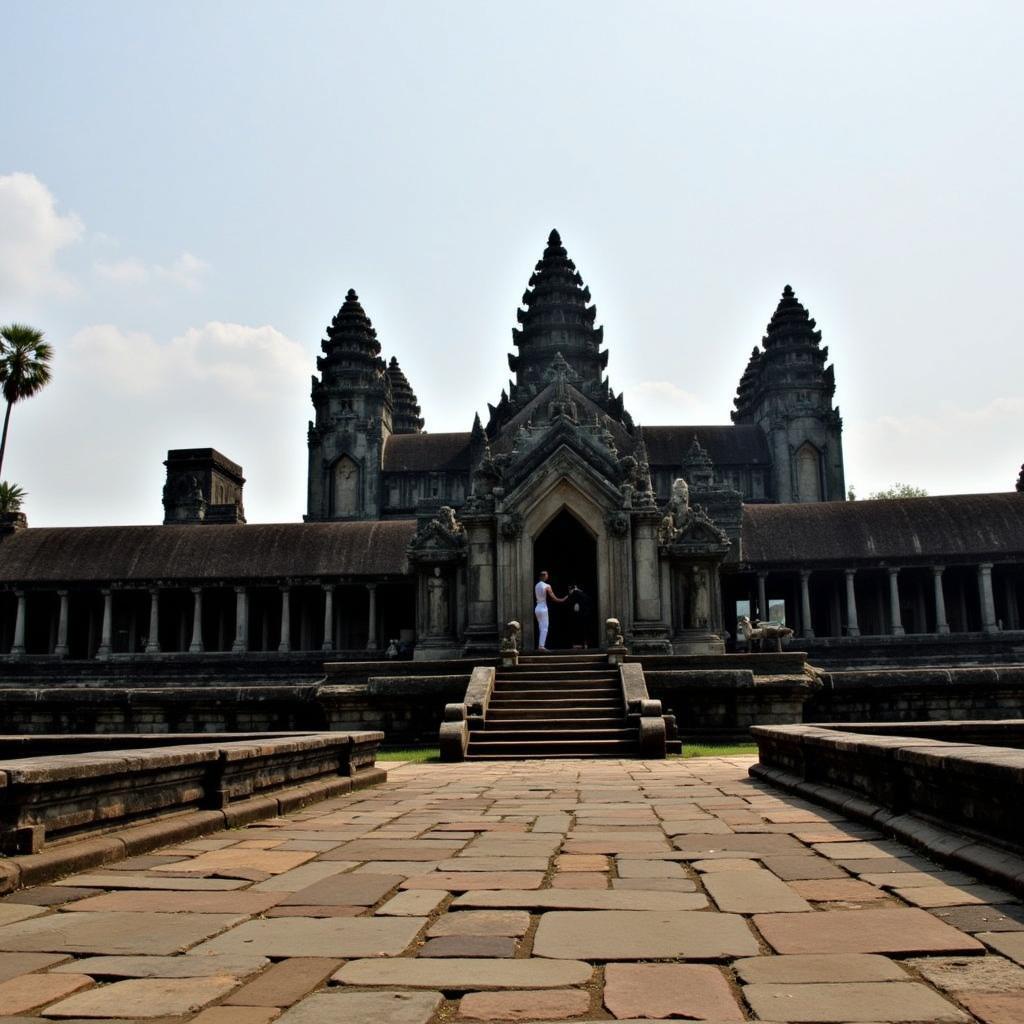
pixel 351 296
pixel 787 292
pixel 554 238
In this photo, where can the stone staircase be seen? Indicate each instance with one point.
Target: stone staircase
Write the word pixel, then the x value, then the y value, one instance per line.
pixel 555 706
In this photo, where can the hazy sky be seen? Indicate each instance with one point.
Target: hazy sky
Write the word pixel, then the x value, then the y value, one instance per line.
pixel 188 189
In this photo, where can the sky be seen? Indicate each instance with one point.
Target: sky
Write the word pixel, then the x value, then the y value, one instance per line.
pixel 187 190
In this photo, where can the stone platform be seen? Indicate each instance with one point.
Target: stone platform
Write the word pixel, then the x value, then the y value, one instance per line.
pixel 567 891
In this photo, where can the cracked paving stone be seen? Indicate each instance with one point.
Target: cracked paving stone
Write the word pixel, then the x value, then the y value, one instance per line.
pixel 691 991
pixel 13 964
pixel 30 991
pixel 553 1004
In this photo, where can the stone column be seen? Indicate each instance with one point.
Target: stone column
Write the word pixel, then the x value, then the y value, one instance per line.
pixel 852 625
pixel 805 603
pixel 371 629
pixel 241 642
pixel 328 644
pixel 286 620
pixel 106 631
pixel 941 625
pixel 61 647
pixel 988 604
pixel 646 586
pixel 895 618
pixel 153 641
pixel 196 646
pixel 18 647
pixel 762 596
pixel 1012 611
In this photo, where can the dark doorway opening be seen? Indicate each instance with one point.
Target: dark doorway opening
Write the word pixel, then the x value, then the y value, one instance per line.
pixel 568 551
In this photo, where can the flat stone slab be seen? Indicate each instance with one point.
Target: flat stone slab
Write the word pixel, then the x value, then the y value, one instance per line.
pixel 165 966
pixel 642 934
pixel 482 922
pixel 852 1002
pixel 469 945
pixel 559 1002
pixel 806 968
pixel 830 890
pixel 115 932
pixel 300 878
pixel 364 1008
pixel 145 997
pixel 464 881
pixel 348 890
pixel 694 847
pixel 952 895
pixel 178 902
pixel 319 936
pixel 285 983
pixel 752 892
pixel 11 913
pixel 30 991
pixel 465 974
pixel 273 862
pixel 416 849
pixel 649 869
pixel 971 973
pixel 124 880
pixel 655 884
pixel 1002 918
pixel 583 899
pixel 690 991
pixel 995 1008
pixel 493 864
pixel 793 868
pixel 412 903
pixel 13 964
pixel 1010 944
pixel 863 931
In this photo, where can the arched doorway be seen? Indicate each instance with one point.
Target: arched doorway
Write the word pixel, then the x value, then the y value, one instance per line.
pixel 568 551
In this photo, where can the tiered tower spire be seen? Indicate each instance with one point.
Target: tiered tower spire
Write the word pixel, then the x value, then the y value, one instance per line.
pixel 405 415
pixel 351 347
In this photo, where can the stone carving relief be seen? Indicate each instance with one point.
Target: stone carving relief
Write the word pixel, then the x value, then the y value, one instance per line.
pixel 346 486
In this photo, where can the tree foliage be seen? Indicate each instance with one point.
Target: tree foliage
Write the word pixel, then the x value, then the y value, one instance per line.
pixel 24 368
pixel 899 490
pixel 11 497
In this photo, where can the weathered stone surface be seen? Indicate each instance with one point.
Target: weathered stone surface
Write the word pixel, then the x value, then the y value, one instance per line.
pixel 273 862
pixel 11 913
pixel 300 878
pixel 178 902
pixel 492 864
pixel 316 911
pixel 412 903
pixel 146 997
pixel 114 932
pixel 13 964
pixel 482 922
pixel 329 936
pixel 464 881
pixel 415 849
pixel 348 890
pixel 691 991
pixel 801 868
pixel 851 1002
pixel 579 880
pixel 655 884
pixel 911 879
pixel 165 966
pixel 48 895
pixel 469 945
pixel 554 1003
pixel 236 1015
pixel 995 1008
pixel 581 862
pixel 818 967
pixel 971 973
pixel 29 991
pixel 729 864
pixel 285 982
pixel 828 890
pixel 1007 917
pixel 1010 944
pixel 863 931
pixel 951 895
pixel 568 899
pixel 464 974
pixel 749 844
pixel 642 935
pixel 752 892
pixel 364 1008
pixel 649 869
pixel 126 880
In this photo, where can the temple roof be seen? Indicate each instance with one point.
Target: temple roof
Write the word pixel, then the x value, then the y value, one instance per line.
pixel 202 552
pixel 421 453
pixel 952 527
pixel 351 342
pixel 741 444
pixel 405 415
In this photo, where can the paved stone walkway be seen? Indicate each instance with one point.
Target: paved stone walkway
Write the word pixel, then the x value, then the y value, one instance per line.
pixel 558 891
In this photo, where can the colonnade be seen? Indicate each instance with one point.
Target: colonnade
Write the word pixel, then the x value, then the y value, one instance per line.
pixel 60 645
pixel 889 598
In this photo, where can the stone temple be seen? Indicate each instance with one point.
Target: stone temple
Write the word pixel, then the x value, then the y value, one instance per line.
pixel 430 543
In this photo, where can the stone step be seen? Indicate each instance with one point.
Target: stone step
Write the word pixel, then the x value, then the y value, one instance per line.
pixel 563 658
pixel 561 721
pixel 506 749
pixel 549 671
pixel 557 694
pixel 571 686
pixel 543 714
pixel 572 734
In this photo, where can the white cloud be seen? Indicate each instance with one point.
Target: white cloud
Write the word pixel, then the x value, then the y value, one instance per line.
pixel 187 271
pixel 952 450
pixel 32 233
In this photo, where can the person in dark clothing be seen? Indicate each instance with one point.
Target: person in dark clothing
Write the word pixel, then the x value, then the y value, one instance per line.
pixel 579 615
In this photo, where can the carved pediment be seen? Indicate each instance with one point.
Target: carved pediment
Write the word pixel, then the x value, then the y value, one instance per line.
pixel 441 538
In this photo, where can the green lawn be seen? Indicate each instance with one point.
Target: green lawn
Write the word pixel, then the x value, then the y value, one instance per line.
pixel 432 754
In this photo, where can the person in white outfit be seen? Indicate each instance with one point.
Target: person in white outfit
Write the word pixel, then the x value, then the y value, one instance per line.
pixel 542 591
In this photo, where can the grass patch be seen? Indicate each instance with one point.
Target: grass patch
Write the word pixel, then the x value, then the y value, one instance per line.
pixel 717 749
pixel 425 755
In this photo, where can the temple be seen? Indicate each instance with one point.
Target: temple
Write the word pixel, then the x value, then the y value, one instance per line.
pixel 424 544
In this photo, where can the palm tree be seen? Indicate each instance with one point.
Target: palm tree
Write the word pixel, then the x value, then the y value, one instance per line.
pixel 11 497
pixel 24 368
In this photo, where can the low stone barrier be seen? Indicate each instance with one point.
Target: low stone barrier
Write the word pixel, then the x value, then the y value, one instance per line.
pixel 59 787
pixel 952 788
